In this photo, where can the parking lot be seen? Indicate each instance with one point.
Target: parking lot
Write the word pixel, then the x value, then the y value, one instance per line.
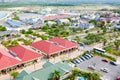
pixel 114 71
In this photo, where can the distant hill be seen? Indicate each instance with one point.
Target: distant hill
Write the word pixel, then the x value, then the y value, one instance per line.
pixel 60 2
pixel 64 1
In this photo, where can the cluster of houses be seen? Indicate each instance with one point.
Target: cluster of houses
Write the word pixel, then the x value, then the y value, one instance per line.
pixel 21 55
pixel 34 21
pixel 77 20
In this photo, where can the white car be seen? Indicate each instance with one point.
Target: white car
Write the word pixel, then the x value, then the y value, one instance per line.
pixel 104 70
pixel 91 67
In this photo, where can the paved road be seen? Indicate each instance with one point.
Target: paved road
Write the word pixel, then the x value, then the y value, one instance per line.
pixel 114 71
pixel 82 35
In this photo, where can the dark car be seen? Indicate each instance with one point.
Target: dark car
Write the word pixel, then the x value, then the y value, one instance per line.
pixel 74 62
pixel 83 58
pixel 86 57
pixel 104 60
pixel 113 63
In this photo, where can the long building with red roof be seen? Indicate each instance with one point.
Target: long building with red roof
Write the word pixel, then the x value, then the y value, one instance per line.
pixel 57 16
pixel 16 57
pixel 7 60
pixel 24 53
pixel 54 46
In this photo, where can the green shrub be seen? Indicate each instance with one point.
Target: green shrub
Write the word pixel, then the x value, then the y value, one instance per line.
pixel 104 55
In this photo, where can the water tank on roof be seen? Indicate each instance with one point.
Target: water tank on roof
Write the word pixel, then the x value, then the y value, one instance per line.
pixel 13 53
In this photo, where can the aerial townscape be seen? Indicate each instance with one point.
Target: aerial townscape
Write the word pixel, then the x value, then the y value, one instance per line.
pixel 59 39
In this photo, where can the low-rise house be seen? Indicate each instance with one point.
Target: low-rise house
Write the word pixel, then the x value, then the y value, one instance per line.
pixel 75 19
pixel 29 21
pixel 115 20
pixel 50 23
pixel 8 32
pixel 47 72
pixel 117 27
pixel 55 16
pixel 14 23
pixel 61 21
pixel 82 25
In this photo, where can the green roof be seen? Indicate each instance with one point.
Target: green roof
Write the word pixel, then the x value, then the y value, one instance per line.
pixel 47 64
pixel 45 73
pixel 22 75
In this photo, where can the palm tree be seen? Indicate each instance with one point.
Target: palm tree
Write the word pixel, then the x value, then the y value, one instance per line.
pixel 14 74
pixel 56 75
pixel 75 72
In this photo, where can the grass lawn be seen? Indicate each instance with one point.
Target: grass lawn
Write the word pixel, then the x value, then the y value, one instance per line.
pixel 112 50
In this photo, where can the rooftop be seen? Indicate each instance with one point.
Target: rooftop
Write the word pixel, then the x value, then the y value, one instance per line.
pixel 53 45
pixel 45 73
pixel 24 53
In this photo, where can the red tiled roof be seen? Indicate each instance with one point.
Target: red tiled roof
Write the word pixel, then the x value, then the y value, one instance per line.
pixel 24 53
pixel 115 18
pixel 55 16
pixel 47 46
pixel 7 60
pixel 64 42
pixel 53 45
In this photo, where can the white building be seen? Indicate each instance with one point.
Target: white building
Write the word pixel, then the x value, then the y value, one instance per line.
pixel 61 21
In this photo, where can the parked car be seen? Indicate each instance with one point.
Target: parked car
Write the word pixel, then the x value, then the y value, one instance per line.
pixel 77 60
pixel 83 58
pixel 74 62
pixel 80 59
pixel 104 60
pixel 104 70
pixel 91 55
pixel 91 67
pixel 118 78
pixel 113 63
pixel 86 57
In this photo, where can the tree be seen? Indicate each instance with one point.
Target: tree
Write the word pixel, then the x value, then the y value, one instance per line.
pixel 104 41
pixel 104 30
pixel 93 22
pixel 14 43
pixel 2 28
pixel 45 28
pixel 76 72
pixel 30 31
pixel 23 31
pixel 56 75
pixel 43 37
pixel 27 42
pixel 93 38
pixel 14 74
pixel 117 44
pixel 101 24
pixel 15 17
